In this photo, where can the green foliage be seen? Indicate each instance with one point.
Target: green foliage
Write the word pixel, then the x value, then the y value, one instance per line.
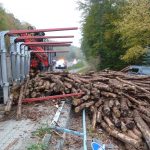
pixel 134 27
pixel 42 131
pixel 133 53
pixel 80 64
pixel 99 37
pixel 8 21
pixel 37 146
pixel 115 31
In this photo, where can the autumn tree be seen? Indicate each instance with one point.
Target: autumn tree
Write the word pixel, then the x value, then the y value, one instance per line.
pixel 134 27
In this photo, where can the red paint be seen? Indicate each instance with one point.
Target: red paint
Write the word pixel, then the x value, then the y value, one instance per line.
pixel 51 97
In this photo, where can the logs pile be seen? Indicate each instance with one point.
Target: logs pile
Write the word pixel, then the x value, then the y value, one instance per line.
pixel 117 102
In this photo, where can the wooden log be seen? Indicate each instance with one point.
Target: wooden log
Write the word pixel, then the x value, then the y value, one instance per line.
pixel 124 107
pixel 129 123
pixel 22 95
pixel 111 103
pixel 137 132
pixel 106 108
pixel 143 127
pixel 99 102
pixel 94 118
pixel 20 103
pixel 99 114
pixel 147 119
pixel 102 86
pixel 134 100
pixel 68 85
pixel 124 138
pixel 108 94
pixel 84 105
pixel 117 104
pixel 144 110
pixel 133 135
pixel 123 127
pixel 77 101
pixel 109 122
pixel 9 104
pixel 116 121
pixel 138 87
pixel 116 112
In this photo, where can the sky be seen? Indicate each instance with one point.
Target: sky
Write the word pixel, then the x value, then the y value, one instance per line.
pixel 48 14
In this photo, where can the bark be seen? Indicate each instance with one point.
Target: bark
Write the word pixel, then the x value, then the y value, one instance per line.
pixel 124 107
pixel 124 138
pixel 20 102
pixel 108 94
pixel 94 118
pixel 116 121
pixel 9 104
pixel 109 123
pixel 84 105
pixel 99 114
pixel 116 112
pixel 143 127
pixel 106 108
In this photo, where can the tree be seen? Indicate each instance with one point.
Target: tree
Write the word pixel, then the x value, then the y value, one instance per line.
pixel 100 41
pixel 134 27
pixel 8 21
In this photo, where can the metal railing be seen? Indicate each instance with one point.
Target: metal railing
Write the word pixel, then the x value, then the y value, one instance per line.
pixel 15 61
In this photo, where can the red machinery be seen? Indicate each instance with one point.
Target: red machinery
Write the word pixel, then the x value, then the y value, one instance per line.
pixel 38 55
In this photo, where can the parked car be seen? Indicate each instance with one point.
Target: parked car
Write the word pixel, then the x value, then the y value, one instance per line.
pixel 139 70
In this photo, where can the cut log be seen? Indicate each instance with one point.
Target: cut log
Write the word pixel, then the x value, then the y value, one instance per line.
pixel 147 119
pixel 99 114
pixel 108 94
pixel 99 102
pixel 109 123
pixel 124 138
pixel 20 103
pixel 134 100
pixel 94 119
pixel 143 127
pixel 106 108
pixel 84 105
pixel 116 121
pixel 124 107
pixel 111 103
pixel 133 135
pixel 9 104
pixel 116 112
pixel 123 127
pixel 144 110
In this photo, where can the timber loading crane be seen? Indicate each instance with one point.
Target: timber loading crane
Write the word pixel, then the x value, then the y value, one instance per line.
pixel 27 50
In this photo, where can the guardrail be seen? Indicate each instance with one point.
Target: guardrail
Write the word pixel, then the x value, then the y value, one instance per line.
pixel 15 56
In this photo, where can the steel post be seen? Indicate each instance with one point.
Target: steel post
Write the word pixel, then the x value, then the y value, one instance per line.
pixel 22 76
pixel 13 57
pixel 26 61
pixel 18 66
pixel 5 83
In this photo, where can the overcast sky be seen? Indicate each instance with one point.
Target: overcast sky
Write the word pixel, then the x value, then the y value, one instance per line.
pixel 47 14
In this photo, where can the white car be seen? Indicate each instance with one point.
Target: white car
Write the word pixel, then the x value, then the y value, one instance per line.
pixel 61 64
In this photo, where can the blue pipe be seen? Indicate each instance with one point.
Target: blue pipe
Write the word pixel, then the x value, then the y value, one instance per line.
pixel 68 131
pixel 84 132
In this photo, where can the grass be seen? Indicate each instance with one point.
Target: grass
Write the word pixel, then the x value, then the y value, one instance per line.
pixel 80 64
pixel 37 146
pixel 42 131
